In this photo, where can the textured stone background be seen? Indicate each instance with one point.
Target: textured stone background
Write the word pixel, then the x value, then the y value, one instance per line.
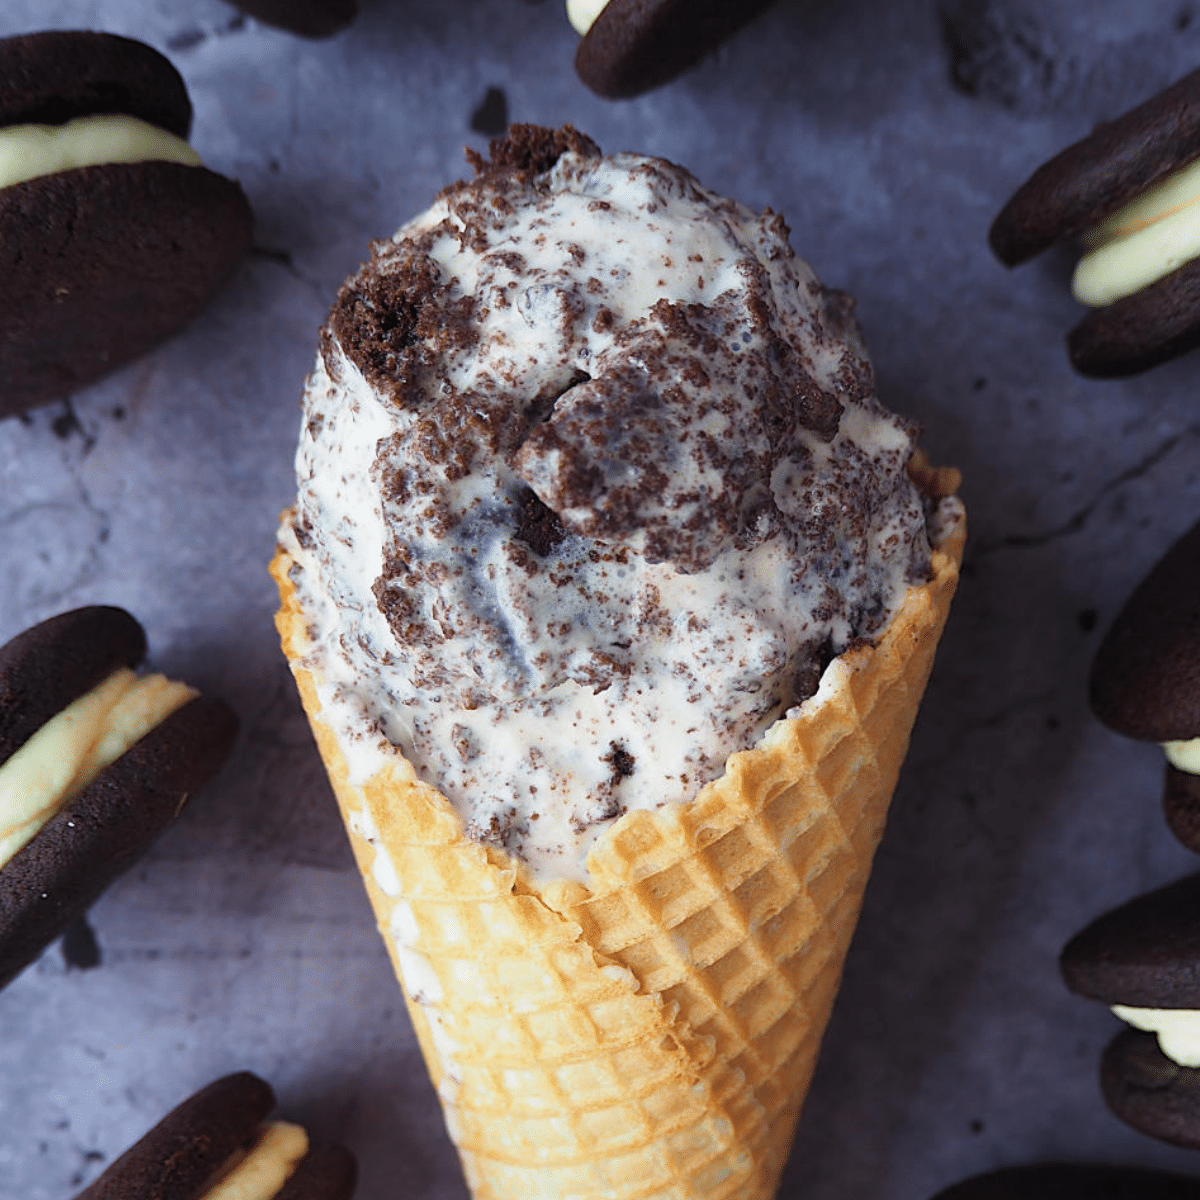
pixel 888 134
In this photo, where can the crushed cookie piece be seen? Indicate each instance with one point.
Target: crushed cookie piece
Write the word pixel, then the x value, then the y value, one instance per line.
pixel 621 761
pixel 537 525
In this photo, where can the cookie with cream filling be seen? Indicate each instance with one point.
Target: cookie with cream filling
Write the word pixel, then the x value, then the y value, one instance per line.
pixel 218 1145
pixel 1145 678
pixel 1143 960
pixel 632 46
pixel 1129 191
pixel 115 235
pixel 95 761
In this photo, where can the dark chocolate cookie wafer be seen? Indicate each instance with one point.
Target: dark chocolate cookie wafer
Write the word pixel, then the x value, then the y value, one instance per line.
pixel 49 78
pixel 1147 1090
pixel 102 262
pixel 1145 678
pixel 309 18
pixel 1074 1181
pixel 1181 806
pixel 1145 954
pixel 1131 335
pixel 1088 182
pixel 636 45
pixel 183 1154
pixel 91 837
pixel 1116 162
pixel 43 669
pixel 327 1173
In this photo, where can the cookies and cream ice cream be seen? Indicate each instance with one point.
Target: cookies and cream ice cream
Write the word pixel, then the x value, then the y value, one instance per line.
pixel 593 484
pixel 593 489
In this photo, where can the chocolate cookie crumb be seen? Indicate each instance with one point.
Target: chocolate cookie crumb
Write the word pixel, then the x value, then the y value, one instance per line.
pixel 491 114
pixel 79 946
pixel 813 664
pixel 532 150
pixel 621 761
pixel 378 321
pixel 538 526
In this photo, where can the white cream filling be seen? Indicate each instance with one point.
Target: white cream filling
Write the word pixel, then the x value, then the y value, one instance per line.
pixel 30 151
pixel 1184 756
pixel 1147 239
pixel 583 13
pixel 75 746
pixel 1178 1030
pixel 259 1172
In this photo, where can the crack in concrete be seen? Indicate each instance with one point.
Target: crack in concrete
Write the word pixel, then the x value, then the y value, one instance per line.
pixel 192 36
pixel 283 258
pixel 1076 522
pixel 68 423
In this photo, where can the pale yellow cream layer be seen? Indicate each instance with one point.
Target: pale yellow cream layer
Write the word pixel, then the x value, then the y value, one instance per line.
pixel 30 151
pixel 75 745
pixel 261 1171
pixel 1184 756
pixel 583 13
pixel 1142 242
pixel 1178 1030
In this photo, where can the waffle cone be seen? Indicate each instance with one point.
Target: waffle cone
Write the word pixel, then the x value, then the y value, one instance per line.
pixel 652 1036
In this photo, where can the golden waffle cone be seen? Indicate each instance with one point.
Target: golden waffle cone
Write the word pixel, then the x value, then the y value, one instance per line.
pixel 651 1038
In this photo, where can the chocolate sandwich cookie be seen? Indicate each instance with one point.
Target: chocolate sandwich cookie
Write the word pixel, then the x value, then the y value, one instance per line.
pixel 95 761
pixel 308 18
pixel 1143 960
pixel 218 1143
pixel 1074 1181
pixel 632 46
pixel 1129 190
pixel 1145 678
pixel 113 235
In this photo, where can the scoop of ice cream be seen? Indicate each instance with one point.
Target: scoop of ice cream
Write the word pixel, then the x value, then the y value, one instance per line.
pixel 592 485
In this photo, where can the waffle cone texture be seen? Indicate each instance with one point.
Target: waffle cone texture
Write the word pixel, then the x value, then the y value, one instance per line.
pixel 651 1037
